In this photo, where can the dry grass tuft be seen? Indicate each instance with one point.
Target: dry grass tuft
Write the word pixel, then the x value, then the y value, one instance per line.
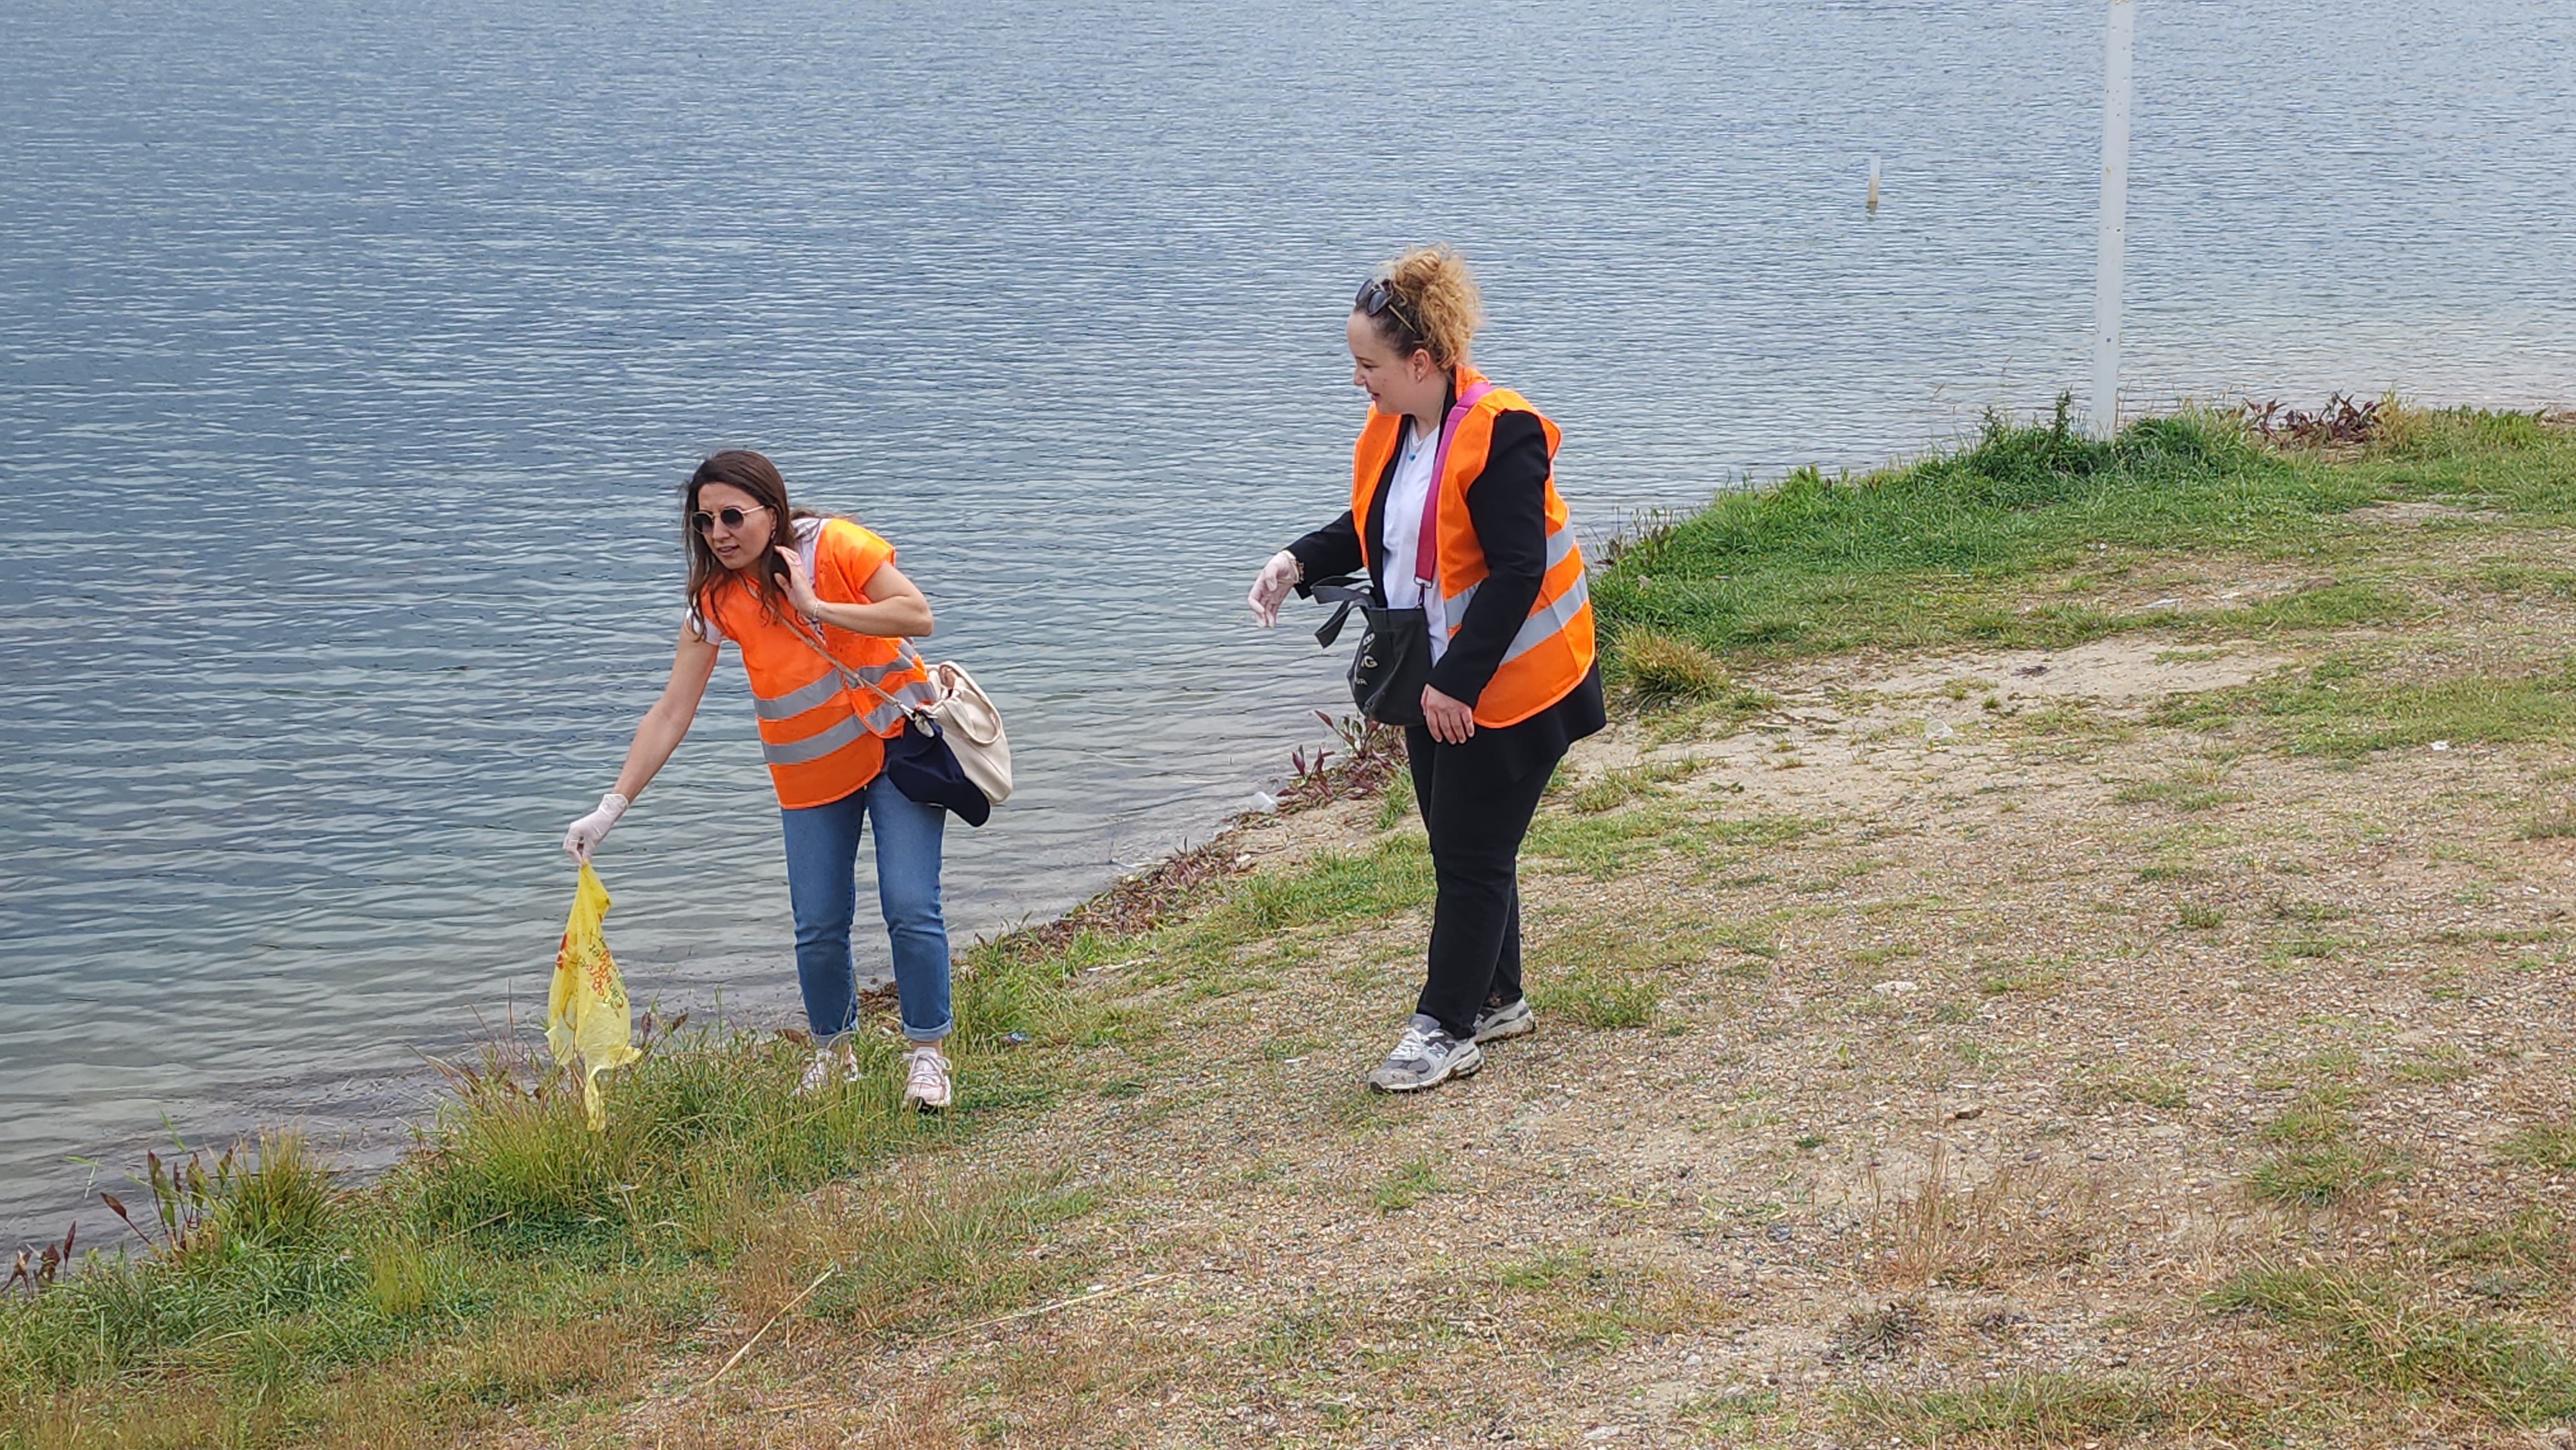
pixel 2053 1409
pixel 2021 1220
pixel 1886 1332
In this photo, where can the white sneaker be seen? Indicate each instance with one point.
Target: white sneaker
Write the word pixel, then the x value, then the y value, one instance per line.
pixel 1425 1056
pixel 1513 1019
pixel 925 1079
pixel 830 1064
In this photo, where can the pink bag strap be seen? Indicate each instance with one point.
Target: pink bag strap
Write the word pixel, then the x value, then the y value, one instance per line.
pixel 1426 547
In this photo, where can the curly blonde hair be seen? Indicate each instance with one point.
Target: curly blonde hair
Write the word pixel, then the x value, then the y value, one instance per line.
pixel 1437 305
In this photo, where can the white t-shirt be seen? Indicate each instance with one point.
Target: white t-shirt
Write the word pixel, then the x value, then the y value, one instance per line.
pixel 1403 530
pixel 809 536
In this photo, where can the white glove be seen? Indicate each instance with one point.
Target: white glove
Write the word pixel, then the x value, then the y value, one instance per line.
pixel 1278 577
pixel 590 830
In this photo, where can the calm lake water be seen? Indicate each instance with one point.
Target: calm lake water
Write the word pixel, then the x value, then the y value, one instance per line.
pixel 350 355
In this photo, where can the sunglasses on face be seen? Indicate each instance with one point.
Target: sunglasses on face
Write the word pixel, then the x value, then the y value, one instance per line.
pixel 705 522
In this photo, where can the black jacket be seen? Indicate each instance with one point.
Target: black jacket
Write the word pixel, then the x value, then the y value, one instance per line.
pixel 1508 505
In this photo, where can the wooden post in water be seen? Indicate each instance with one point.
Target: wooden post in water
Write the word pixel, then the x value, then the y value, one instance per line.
pixel 2114 219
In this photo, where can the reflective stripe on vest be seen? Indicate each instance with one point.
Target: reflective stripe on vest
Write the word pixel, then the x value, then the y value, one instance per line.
pixel 885 719
pixel 1549 619
pixel 1554 647
pixel 813 747
pixel 1453 607
pixel 914 691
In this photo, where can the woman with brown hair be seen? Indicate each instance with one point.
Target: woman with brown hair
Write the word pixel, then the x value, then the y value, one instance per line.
pixel 1454 513
pixel 821 616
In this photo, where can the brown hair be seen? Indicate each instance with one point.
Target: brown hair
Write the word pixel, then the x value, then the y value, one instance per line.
pixel 1437 305
pixel 757 476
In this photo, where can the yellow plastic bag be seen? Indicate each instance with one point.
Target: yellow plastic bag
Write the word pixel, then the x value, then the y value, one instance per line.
pixel 586 1012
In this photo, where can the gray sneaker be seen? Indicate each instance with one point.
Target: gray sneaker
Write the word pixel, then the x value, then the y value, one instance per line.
pixel 1425 1056
pixel 1512 1019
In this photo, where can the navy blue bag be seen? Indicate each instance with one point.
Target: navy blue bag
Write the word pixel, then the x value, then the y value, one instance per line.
pixel 918 761
pixel 922 766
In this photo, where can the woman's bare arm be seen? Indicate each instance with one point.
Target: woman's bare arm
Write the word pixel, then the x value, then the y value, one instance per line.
pixel 693 663
pixel 895 607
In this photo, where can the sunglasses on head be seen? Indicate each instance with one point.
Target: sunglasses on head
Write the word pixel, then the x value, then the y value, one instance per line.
pixel 1377 295
pixel 705 522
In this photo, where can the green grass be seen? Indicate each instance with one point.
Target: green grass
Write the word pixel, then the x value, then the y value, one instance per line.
pixel 2544 1145
pixel 1393 876
pixel 2313 1163
pixel 1579 1300
pixel 1655 669
pixel 2551 825
pixel 1407 1185
pixel 2193 786
pixel 1610 789
pixel 2145 1089
pixel 2438 1065
pixel 2026 979
pixel 272 1299
pixel 2388 1336
pixel 2347 706
pixel 2318 1175
pixel 1912 556
pixel 1606 843
pixel 1948 550
pixel 1598 999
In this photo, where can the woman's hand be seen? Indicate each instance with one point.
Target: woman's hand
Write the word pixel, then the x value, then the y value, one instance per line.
pixel 590 830
pixel 1269 590
pixel 1451 722
pixel 800 585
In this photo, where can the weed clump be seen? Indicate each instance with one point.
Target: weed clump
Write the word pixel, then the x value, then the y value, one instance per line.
pixel 1654 668
pixel 1979 1234
pixel 2388 1336
pixel 2318 1175
pixel 1884 1333
pixel 2544 1145
pixel 1601 1000
pixel 2045 1409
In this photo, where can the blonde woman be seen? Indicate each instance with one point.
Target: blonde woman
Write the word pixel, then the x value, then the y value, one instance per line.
pixel 1454 511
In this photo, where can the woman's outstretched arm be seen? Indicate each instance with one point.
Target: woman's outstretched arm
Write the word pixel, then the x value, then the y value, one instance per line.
pixel 693 662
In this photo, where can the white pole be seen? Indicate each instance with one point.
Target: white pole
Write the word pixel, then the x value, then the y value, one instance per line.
pixel 2115 219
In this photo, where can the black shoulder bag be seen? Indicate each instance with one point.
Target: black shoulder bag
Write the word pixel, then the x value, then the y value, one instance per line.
pixel 1392 666
pixel 1393 663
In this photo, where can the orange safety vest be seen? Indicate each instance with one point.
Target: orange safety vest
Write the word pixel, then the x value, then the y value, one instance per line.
pixel 823 736
pixel 1554 649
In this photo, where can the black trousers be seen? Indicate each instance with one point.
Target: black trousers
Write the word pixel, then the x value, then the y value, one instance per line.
pixel 1476 801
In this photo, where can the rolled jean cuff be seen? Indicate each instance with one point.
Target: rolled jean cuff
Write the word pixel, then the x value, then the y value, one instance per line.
pixel 931 1034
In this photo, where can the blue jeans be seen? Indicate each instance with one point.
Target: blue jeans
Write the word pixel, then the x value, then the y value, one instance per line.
pixel 823 889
